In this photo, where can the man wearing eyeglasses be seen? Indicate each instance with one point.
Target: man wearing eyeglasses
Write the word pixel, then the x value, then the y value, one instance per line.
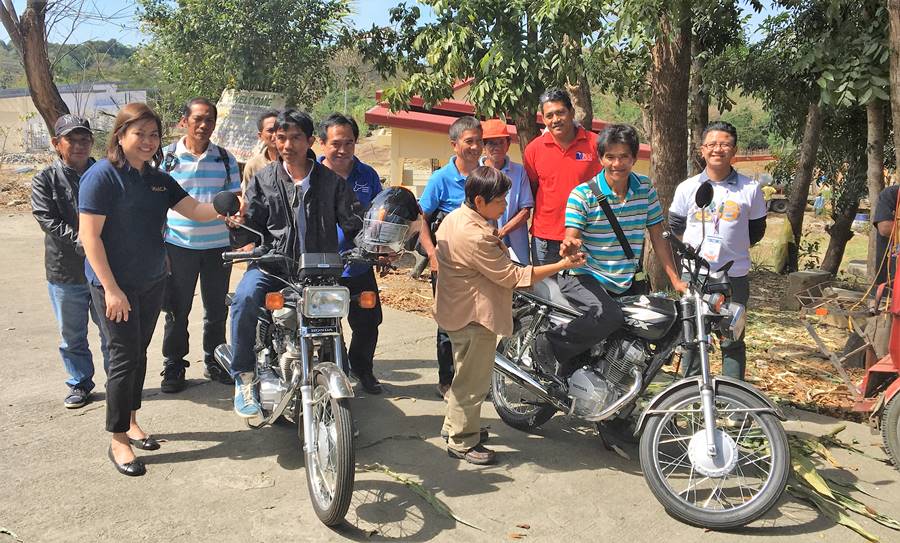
pixel 735 220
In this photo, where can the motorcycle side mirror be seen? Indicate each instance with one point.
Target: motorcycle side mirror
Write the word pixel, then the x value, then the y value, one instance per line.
pixel 704 195
pixel 226 203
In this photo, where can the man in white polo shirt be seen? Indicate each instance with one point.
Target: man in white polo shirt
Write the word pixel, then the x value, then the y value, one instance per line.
pixel 195 249
pixel 735 220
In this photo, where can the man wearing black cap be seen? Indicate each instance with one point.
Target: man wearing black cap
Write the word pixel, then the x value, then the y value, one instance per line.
pixel 54 194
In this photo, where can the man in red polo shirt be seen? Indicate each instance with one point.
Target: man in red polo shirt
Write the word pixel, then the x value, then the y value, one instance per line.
pixel 556 162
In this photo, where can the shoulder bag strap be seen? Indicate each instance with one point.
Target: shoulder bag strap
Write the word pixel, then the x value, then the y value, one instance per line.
pixel 607 210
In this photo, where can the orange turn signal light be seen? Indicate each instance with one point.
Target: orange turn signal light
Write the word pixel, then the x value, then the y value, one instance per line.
pixel 274 300
pixel 821 311
pixel 368 299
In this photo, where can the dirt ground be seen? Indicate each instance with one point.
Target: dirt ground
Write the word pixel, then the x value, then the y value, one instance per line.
pixel 216 480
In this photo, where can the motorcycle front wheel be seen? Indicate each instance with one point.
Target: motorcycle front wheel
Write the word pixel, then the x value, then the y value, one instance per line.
pixel 330 467
pixel 738 485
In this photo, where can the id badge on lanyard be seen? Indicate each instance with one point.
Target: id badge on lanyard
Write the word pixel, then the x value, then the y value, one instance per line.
pixel 712 245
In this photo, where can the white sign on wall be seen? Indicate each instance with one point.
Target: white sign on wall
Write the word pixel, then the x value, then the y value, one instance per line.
pixel 236 124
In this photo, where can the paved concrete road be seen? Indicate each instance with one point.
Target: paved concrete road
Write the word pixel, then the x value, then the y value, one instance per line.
pixel 215 480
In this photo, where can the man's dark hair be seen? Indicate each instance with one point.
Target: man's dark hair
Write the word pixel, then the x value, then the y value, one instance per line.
pixel 615 134
pixel 487 182
pixel 295 117
pixel 461 125
pixel 338 119
pixel 720 126
pixel 186 111
pixel 268 114
pixel 555 95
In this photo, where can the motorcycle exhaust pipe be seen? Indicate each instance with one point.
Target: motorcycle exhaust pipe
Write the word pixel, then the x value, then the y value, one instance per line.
pixel 223 356
pixel 524 379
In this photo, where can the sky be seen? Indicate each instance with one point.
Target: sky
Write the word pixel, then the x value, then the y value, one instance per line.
pixel 120 22
pixel 124 27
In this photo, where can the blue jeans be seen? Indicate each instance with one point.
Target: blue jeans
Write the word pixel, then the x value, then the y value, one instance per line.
pixel 71 306
pixel 248 301
pixel 544 251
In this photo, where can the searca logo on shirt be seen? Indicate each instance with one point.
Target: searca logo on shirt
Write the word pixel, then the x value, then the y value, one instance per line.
pixel 584 156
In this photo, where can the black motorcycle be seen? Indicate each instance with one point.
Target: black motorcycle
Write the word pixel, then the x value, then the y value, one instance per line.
pixel 712 448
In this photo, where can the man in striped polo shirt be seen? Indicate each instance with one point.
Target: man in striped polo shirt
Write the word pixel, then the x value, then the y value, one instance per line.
pixel 203 169
pixel 607 271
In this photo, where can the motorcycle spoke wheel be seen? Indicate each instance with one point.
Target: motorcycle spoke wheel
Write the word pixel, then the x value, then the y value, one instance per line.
pixel 739 484
pixel 517 407
pixel 330 465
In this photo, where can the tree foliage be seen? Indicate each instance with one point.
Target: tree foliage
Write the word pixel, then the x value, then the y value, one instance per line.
pixel 201 47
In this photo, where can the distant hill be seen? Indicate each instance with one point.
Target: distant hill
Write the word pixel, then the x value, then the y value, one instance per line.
pixel 73 63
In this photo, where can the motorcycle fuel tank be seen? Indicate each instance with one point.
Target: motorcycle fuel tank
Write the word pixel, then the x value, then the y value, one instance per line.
pixel 648 317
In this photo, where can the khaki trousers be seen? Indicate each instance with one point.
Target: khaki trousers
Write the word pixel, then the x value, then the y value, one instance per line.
pixel 473 361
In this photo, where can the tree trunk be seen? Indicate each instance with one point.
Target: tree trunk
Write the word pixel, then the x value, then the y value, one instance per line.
pixel 699 100
pixel 874 172
pixel 579 88
pixel 526 128
pixel 28 34
pixel 894 17
pixel 669 76
pixel 839 234
pixel 802 178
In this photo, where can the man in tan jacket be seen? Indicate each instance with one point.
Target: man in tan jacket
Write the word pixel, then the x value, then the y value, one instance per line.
pixel 473 303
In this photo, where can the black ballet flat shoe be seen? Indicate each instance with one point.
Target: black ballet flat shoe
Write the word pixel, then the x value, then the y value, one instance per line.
pixel 135 468
pixel 146 444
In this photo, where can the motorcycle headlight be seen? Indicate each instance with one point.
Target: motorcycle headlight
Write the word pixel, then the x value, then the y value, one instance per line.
pixel 325 302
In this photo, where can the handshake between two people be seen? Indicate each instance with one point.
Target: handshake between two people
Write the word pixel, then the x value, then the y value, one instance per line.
pixel 571 253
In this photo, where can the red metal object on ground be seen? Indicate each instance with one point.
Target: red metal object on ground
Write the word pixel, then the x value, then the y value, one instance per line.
pixel 885 371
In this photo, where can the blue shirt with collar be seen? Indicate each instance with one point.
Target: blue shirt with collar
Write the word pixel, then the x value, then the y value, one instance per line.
pixel 518 198
pixel 445 191
pixel 366 184
pixel 135 205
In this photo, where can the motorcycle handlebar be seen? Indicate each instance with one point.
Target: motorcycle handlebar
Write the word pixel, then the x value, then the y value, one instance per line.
pixel 228 256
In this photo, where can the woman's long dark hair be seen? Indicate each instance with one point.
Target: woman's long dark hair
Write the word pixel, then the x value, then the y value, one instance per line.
pixel 128 115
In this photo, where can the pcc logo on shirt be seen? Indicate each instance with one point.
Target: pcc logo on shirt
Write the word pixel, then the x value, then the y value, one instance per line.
pixel 589 157
pixel 158 188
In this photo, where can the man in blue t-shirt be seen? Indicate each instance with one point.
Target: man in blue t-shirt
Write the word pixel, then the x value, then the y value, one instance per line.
pixel 338 135
pixel 445 192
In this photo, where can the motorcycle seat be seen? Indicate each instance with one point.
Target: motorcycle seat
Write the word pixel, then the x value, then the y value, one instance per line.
pixel 548 291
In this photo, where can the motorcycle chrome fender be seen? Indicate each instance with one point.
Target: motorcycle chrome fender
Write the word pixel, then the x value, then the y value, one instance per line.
pixel 338 384
pixel 717 380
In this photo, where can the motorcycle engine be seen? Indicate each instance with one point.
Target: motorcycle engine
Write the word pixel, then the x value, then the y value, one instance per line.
pixel 621 355
pixel 592 389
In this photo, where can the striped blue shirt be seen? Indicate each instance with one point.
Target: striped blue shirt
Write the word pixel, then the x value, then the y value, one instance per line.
pixel 605 259
pixel 202 177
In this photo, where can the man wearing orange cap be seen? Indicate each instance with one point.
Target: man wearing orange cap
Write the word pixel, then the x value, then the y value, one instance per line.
pixel 513 225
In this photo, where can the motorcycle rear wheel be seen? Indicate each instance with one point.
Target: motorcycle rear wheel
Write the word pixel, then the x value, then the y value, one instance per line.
pixel 516 406
pixel 741 484
pixel 330 468
pixel 890 429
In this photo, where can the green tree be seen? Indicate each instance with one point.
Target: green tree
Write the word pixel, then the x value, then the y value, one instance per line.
pixel 512 50
pixel 201 47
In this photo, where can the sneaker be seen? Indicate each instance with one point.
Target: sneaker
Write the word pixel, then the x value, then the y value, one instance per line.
pixel 478 455
pixel 246 399
pixel 78 397
pixel 173 376
pixel 214 372
pixel 369 383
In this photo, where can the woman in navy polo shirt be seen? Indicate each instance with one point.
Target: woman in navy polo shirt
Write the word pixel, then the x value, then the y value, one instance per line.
pixel 123 200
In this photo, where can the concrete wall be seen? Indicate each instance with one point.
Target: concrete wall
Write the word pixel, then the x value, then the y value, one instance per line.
pixel 22 128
